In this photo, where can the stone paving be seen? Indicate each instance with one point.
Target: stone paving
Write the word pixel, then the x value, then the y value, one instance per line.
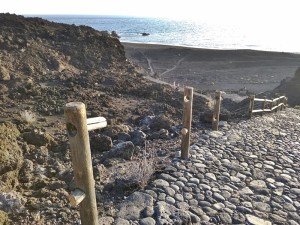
pixel 245 173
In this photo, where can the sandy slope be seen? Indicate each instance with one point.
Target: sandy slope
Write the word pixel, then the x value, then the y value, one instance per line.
pixel 206 69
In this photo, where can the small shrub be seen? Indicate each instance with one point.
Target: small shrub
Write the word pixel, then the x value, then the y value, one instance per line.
pixel 132 175
pixel 142 171
pixel 28 116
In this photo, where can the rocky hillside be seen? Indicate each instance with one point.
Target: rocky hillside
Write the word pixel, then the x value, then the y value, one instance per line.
pixel 43 66
pixel 290 88
pixel 52 64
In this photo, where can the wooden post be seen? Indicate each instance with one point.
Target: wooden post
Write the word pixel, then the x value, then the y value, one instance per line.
pixel 187 121
pixel 75 115
pixel 264 106
pixel 216 113
pixel 251 105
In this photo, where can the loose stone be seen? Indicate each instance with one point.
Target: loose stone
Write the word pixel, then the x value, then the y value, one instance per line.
pixel 218 206
pixel 225 218
pixel 169 191
pixel 175 187
pixel 193 202
pixel 257 184
pixel 187 196
pixel 211 176
pixel 262 206
pixel 194 180
pixel 161 197
pixel 194 218
pixel 147 221
pixel 182 205
pixel 218 197
pixel 167 177
pixel 160 183
pixel 246 191
pixel 170 200
pixel 253 220
pixel 179 197
pixel 289 207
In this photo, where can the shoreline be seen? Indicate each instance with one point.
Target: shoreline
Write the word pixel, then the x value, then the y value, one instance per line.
pixel 155 45
pixel 213 69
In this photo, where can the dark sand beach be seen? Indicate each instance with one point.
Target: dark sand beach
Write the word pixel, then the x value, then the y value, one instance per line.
pixel 206 69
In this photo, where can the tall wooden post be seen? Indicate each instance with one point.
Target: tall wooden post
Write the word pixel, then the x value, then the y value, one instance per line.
pixel 264 106
pixel 216 113
pixel 75 115
pixel 251 105
pixel 187 121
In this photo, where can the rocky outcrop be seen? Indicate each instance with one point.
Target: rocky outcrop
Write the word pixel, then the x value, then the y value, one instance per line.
pixel 290 88
pixel 10 156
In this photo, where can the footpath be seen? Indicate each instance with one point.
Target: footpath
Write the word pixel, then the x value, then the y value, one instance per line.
pixel 245 173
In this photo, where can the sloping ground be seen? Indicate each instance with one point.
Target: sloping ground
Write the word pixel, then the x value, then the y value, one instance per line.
pixel 246 173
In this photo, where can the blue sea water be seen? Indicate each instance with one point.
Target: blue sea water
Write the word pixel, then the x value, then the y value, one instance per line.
pixel 197 34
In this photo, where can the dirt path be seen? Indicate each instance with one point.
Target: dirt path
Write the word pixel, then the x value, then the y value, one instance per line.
pixel 208 98
pixel 149 63
pixel 175 66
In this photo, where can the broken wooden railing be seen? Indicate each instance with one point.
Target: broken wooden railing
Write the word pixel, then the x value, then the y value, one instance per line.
pixel 77 128
pixel 267 104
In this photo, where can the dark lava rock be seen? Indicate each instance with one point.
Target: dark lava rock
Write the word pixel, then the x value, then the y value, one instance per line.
pixel 161 122
pixel 38 138
pixel 101 143
pixel 124 150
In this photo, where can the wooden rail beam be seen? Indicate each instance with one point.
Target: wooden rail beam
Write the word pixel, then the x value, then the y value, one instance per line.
pixel 96 123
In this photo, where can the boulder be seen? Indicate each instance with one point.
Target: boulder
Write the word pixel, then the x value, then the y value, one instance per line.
pixel 101 143
pixel 161 122
pixel 138 137
pixel 11 202
pixel 38 138
pixel 132 207
pixel 161 134
pixel 124 136
pixel 124 150
pixel 169 214
pixel 114 130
